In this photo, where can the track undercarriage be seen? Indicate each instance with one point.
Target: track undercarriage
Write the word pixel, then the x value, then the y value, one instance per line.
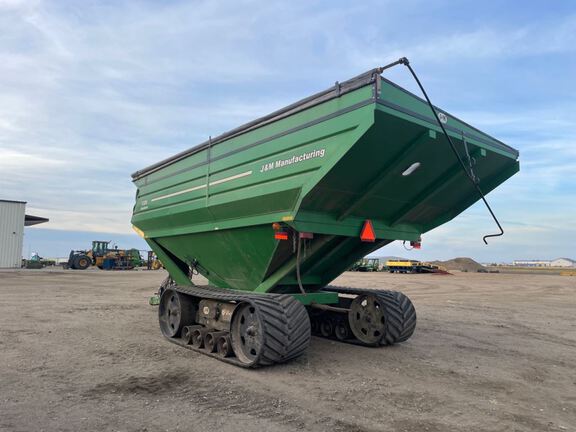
pixel 252 330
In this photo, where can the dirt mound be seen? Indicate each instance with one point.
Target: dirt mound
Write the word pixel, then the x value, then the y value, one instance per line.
pixel 461 264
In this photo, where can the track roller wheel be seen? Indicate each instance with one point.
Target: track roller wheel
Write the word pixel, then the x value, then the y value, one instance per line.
pixel 342 330
pixel 198 337
pixel 187 333
pixel 211 339
pixel 315 325
pixel 175 311
pixel 326 327
pixel 224 346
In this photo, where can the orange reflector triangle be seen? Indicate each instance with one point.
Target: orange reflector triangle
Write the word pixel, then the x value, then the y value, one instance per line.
pixel 367 234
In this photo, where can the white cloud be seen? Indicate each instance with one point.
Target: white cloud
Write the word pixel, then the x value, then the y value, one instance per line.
pixel 10 160
pixel 14 4
pixel 94 218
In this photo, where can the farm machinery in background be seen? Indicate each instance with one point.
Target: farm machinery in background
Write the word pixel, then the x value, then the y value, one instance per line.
pixel 396 266
pixel 412 266
pixel 366 265
pixel 152 262
pixel 37 262
pixel 110 258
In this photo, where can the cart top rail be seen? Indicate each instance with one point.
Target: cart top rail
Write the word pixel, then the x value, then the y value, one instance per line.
pixel 338 89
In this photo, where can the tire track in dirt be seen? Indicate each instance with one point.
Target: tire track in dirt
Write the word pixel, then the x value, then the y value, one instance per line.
pixel 210 394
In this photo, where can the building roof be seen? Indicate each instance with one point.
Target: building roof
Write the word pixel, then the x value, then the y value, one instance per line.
pixel 567 259
pixel 12 201
pixel 34 220
pixel 28 219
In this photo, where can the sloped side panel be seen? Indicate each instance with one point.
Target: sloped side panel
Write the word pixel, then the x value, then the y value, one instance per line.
pixel 221 215
pixel 257 185
pixel 234 258
pixel 370 181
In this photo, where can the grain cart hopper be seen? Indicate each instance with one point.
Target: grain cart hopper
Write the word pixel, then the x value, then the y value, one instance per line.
pixel 273 211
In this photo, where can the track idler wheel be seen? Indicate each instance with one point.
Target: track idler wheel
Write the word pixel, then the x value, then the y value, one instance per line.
pixel 367 320
pixel 382 318
pixel 247 334
pixel 175 311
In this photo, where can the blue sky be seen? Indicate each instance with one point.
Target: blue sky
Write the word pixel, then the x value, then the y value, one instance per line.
pixel 92 91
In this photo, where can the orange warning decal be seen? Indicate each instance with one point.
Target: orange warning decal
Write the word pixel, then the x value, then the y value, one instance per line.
pixel 367 234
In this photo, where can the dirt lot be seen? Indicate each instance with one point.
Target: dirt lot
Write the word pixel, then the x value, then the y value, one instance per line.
pixel 492 352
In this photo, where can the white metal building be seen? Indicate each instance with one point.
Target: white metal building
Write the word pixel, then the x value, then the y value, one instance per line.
pixel 558 262
pixel 563 262
pixel 13 218
pixel 532 263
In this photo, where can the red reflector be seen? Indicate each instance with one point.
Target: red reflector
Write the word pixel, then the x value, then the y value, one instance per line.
pixel 367 234
pixel 279 235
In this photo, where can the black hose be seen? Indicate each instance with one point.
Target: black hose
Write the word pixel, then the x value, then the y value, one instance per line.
pixel 298 278
pixel 470 176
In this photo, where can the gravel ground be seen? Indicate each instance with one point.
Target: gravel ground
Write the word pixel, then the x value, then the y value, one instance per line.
pixel 81 351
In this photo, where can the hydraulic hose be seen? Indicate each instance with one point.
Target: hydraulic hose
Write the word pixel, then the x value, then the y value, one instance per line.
pixel 470 176
pixel 298 278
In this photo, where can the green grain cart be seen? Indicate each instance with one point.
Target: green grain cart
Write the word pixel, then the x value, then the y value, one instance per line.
pixel 273 211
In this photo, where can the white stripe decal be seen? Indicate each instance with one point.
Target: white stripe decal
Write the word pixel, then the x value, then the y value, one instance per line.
pixel 234 177
pixel 178 193
pixel 224 180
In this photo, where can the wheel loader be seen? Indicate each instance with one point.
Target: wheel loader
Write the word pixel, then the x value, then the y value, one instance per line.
pixel 104 257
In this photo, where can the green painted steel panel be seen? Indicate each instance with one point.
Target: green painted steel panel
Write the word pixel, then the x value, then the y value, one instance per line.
pixel 321 166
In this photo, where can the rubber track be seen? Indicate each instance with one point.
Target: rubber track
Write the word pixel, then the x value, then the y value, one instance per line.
pixel 399 312
pixel 285 321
